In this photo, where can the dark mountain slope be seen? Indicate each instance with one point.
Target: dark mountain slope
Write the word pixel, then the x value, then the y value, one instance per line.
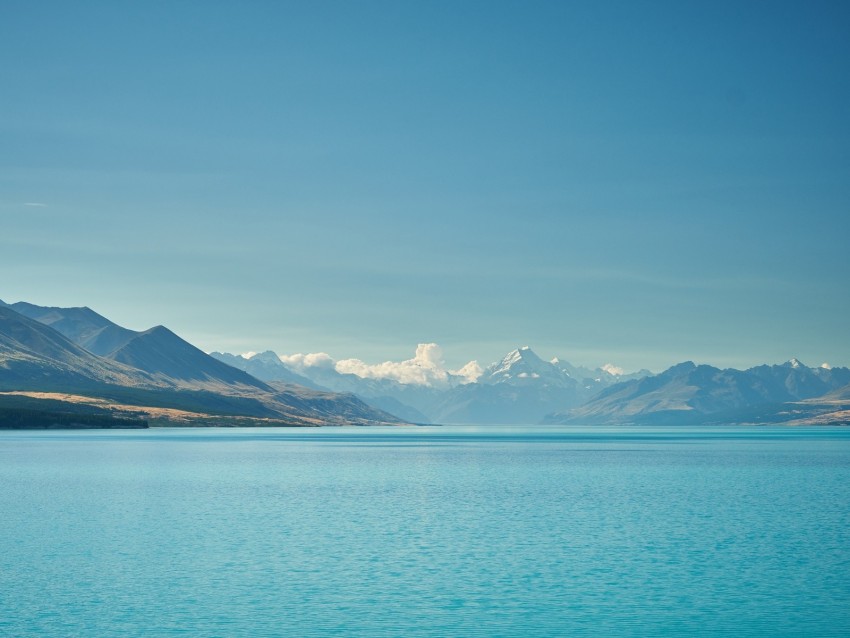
pixel 83 326
pixel 800 381
pixel 36 358
pixel 839 394
pixel 342 408
pixel 683 393
pixel 162 353
pixel 34 355
pixel 167 358
pixel 687 393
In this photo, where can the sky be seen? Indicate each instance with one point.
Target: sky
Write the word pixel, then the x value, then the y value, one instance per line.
pixel 634 183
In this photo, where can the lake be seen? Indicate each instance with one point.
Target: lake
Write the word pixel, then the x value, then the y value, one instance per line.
pixel 426 531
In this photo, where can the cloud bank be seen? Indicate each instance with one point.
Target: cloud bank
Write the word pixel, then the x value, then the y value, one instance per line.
pixel 427 367
pixel 303 361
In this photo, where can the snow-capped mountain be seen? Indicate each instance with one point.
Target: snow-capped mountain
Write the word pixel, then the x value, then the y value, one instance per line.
pixel 520 388
pixel 523 367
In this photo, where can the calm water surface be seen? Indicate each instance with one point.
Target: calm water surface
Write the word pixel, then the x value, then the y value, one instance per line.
pixel 426 532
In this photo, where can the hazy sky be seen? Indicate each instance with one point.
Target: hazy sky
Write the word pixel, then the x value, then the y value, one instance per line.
pixel 640 183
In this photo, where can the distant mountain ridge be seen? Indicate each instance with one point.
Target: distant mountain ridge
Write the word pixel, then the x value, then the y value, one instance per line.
pixel 800 381
pixel 47 349
pixel 520 388
pixel 690 393
pixel 266 366
pixel 524 388
pixel 269 367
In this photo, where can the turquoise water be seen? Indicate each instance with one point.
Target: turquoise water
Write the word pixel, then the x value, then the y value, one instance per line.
pixel 426 532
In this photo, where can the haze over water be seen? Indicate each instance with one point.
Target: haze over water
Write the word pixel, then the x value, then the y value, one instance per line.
pixel 426 532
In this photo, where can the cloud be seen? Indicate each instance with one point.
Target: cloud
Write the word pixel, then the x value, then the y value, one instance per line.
pixel 471 372
pixel 425 368
pixel 610 368
pixel 315 360
pixel 35 204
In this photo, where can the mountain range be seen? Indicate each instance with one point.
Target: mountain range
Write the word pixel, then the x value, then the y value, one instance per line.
pixel 702 394
pixel 83 361
pixel 521 388
pixel 524 388
pixel 44 353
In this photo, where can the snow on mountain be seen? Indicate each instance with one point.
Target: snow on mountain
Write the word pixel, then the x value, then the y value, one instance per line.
pixel 524 388
pixel 523 367
pixel 519 388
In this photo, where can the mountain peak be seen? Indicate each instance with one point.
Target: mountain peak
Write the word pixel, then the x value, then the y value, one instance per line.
pixel 269 356
pixel 794 363
pixel 522 354
pixel 680 368
pixel 523 365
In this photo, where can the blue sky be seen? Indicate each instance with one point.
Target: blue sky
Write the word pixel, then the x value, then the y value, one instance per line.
pixel 640 183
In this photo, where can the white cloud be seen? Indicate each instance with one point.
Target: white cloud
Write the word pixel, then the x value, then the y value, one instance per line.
pixel 314 360
pixel 610 368
pixel 471 372
pixel 425 368
pixel 35 204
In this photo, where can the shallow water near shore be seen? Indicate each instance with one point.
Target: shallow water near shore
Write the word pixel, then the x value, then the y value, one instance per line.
pixel 426 531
